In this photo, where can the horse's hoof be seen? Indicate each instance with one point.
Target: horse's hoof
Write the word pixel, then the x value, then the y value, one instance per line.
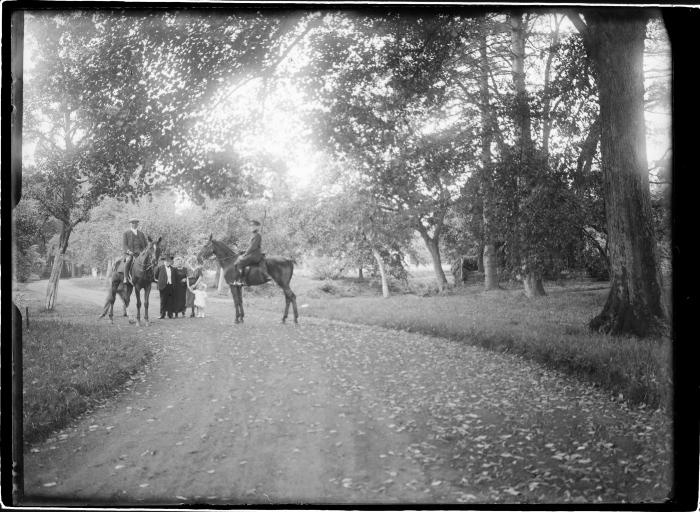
pixel 132 321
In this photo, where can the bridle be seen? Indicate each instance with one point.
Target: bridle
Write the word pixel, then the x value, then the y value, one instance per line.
pixel 149 257
pixel 224 259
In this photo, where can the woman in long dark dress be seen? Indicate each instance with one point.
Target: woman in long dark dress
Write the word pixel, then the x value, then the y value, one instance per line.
pixel 194 277
pixel 179 287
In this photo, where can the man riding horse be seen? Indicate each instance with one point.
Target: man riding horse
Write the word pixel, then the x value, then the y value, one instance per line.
pixel 133 243
pixel 252 256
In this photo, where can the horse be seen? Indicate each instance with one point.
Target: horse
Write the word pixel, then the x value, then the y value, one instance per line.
pixel 142 277
pixel 280 270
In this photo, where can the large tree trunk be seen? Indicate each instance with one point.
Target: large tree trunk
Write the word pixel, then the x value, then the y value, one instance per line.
pixel 52 287
pixel 434 249
pixel 634 304
pixel 488 256
pixel 382 272
pixel 523 123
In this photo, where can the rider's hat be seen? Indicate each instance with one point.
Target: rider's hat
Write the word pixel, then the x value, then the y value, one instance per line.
pixel 133 219
pixel 254 223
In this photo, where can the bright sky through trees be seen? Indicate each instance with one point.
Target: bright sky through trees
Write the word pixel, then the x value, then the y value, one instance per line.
pixel 261 117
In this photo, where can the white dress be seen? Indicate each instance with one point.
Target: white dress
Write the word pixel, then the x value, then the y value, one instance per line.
pixel 200 298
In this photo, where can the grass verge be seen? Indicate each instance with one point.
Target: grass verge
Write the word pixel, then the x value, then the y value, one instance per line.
pixel 70 365
pixel 550 330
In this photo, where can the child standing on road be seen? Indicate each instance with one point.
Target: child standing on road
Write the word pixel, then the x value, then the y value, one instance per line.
pixel 200 299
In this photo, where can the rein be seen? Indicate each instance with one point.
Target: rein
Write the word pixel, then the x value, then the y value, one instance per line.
pixel 148 259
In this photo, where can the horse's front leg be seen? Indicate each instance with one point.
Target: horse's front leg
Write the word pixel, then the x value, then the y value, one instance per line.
pixel 138 305
pixel 235 301
pixel 237 295
pixel 240 303
pixel 146 293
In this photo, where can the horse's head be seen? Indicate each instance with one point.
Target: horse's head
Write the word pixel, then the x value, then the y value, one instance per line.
pixel 153 250
pixel 207 251
pixel 156 248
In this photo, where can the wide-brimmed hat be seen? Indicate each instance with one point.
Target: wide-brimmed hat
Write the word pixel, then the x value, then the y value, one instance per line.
pixel 133 219
pixel 254 223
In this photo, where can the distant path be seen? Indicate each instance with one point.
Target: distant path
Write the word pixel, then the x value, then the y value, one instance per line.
pixel 333 413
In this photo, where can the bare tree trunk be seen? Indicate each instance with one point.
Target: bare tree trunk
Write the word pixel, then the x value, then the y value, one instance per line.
pixel 488 256
pixel 360 275
pixel 434 249
pixel 222 281
pixel 634 305
pixel 532 280
pixel 382 272
pixel 547 105
pixel 52 287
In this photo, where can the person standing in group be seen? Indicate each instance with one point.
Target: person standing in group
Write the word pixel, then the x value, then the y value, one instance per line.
pixel 200 298
pixel 194 278
pixel 164 278
pixel 252 255
pixel 179 287
pixel 133 242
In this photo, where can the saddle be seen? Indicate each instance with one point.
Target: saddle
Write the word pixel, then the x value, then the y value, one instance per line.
pixel 119 267
pixel 255 274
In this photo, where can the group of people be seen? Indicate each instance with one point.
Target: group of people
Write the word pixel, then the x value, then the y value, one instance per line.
pixel 180 288
pixel 183 288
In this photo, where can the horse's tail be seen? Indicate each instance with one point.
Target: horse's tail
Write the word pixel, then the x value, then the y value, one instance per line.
pixel 111 294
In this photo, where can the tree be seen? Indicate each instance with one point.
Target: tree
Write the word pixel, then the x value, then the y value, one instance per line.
pixel 114 98
pixel 381 111
pixel 353 228
pixel 614 41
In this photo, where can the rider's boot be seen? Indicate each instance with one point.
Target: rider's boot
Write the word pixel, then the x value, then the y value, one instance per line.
pixel 263 269
pixel 239 281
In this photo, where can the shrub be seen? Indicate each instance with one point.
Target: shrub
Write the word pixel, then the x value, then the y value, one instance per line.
pixel 324 267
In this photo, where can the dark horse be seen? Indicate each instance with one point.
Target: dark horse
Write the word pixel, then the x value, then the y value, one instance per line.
pixel 142 277
pixel 279 269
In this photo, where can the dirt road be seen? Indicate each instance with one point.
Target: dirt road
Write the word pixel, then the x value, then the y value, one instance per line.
pixel 329 413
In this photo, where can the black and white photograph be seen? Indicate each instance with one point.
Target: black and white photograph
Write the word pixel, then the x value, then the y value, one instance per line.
pixel 355 256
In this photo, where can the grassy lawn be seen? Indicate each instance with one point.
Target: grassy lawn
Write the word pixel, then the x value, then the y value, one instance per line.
pixel 551 330
pixel 71 364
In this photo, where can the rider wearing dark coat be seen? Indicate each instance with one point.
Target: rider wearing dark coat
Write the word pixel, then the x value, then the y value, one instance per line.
pixel 179 287
pixel 253 254
pixel 134 241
